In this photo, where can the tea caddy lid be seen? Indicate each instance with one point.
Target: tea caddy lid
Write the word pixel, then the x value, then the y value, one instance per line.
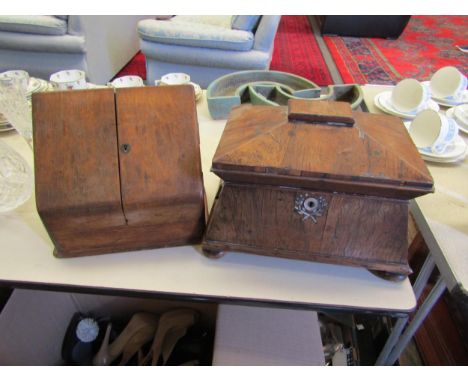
pixel 321 145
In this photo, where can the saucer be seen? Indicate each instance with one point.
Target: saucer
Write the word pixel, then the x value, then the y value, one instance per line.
pixel 382 101
pixel 442 160
pixel 455 151
pixel 445 102
pixel 449 114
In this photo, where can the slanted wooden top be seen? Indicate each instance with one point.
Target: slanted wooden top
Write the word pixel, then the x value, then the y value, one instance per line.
pixel 376 156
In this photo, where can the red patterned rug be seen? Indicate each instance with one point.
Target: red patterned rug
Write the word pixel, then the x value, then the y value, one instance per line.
pixel 296 51
pixel 427 44
pixel 136 67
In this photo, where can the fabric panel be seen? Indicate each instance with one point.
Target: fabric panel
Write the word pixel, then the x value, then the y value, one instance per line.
pixel 205 57
pixel 266 32
pixel 42 43
pixel 195 35
pixel 41 64
pixel 75 26
pixel 220 21
pixel 245 23
pixel 202 75
pixel 43 25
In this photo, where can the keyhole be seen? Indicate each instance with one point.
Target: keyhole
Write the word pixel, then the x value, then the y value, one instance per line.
pixel 125 148
pixel 310 204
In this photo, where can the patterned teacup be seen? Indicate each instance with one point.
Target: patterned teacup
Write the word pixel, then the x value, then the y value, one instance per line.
pixel 410 96
pixel 174 79
pixel 448 83
pixel 432 132
pixel 69 79
pixel 127 82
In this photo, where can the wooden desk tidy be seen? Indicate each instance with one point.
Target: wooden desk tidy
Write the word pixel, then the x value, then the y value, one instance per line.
pixel 118 170
pixel 316 182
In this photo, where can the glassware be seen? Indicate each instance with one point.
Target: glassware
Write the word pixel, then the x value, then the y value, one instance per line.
pixel 14 105
pixel 16 179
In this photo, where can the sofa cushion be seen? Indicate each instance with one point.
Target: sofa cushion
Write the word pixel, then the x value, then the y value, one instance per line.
pixel 45 25
pixel 195 35
pixel 219 21
pixel 42 43
pixel 244 22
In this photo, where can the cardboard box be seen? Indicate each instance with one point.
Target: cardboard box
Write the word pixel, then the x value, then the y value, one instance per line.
pixel 33 324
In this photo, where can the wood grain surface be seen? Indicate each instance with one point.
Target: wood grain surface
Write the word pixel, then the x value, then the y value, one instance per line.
pixel 75 159
pixel 360 231
pixel 377 154
pixel 118 172
pixel 161 175
pixel 301 110
pixel 269 156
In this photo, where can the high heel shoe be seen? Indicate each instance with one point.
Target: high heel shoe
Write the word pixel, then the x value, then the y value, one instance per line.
pixel 170 341
pixel 140 329
pixel 171 327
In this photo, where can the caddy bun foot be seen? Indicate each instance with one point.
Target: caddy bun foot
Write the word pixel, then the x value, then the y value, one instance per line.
pixel 212 253
pixel 389 276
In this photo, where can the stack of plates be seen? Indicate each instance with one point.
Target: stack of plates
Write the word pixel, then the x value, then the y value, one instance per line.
pixel 454 152
pixel 383 102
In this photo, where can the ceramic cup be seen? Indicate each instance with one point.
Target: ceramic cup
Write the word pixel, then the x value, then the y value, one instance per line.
pixel 127 82
pixel 173 79
pixel 448 83
pixel 460 114
pixel 432 132
pixel 19 77
pixel 69 79
pixel 410 96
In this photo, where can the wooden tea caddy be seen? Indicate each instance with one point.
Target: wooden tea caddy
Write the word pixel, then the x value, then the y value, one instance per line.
pixel 316 181
pixel 118 170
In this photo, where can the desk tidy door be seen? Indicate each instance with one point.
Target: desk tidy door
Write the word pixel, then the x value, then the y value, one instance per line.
pixel 316 182
pixel 118 170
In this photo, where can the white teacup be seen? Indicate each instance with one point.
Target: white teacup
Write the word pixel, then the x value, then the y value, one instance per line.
pixel 460 114
pixel 19 77
pixel 174 79
pixel 432 132
pixel 410 96
pixel 448 83
pixel 69 79
pixel 127 82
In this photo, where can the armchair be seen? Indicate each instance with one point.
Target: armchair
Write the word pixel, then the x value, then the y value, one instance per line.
pixel 42 45
pixel 207 47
